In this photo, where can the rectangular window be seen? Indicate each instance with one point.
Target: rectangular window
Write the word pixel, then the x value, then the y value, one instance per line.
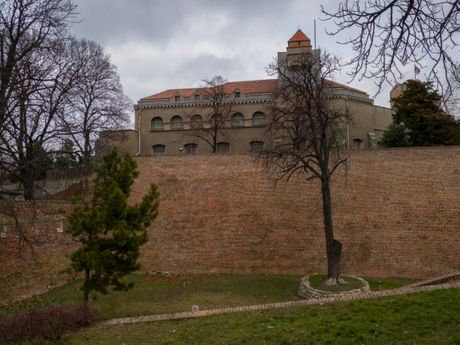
pixel 197 98
pixel 177 99
pixel 237 94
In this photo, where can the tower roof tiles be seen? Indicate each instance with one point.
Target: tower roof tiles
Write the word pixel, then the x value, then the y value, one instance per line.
pixel 299 36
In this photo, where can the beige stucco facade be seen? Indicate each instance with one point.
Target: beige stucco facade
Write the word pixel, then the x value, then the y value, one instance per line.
pixel 365 130
pixel 367 122
pixel 175 140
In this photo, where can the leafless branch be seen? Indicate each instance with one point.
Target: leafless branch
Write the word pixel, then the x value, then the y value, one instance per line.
pixel 387 35
pixel 217 111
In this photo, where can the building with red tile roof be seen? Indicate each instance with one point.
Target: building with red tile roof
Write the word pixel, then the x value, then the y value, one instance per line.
pixel 167 122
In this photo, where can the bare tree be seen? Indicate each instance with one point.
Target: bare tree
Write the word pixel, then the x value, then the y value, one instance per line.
pixel 217 112
pixel 31 127
pixel 35 76
pixel 389 34
pixel 97 102
pixel 53 87
pixel 308 130
pixel 25 28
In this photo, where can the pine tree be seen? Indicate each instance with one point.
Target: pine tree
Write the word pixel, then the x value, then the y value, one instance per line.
pixel 110 231
pixel 66 157
pixel 395 136
pixel 419 110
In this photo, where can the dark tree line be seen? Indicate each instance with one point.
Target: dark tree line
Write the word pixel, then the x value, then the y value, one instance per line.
pixel 54 88
pixel 386 35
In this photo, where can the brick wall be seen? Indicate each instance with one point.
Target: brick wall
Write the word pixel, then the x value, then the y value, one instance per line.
pixel 29 268
pixel 397 213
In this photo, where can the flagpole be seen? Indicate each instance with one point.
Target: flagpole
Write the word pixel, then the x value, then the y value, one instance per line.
pixel 416 71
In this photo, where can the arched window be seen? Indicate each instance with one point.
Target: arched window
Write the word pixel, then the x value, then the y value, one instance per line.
pixel 237 120
pixel 159 150
pixel 197 121
pixel 223 147
pixel 190 149
pixel 256 146
pixel 258 119
pixel 177 123
pixel 156 124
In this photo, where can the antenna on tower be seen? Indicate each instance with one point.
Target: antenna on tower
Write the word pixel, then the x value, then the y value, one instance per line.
pixel 314 32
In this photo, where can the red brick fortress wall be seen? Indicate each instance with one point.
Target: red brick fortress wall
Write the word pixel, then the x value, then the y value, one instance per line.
pixel 397 213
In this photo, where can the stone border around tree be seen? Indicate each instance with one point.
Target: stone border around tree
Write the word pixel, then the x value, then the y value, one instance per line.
pixel 305 290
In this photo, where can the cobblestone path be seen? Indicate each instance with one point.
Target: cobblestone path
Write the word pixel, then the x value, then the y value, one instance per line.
pixel 298 303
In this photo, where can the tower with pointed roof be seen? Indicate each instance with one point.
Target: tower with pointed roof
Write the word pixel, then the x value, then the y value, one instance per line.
pixel 299 43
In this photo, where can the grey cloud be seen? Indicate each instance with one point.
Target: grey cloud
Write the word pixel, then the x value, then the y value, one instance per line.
pixel 112 21
pixel 176 43
pixel 206 66
pixel 115 21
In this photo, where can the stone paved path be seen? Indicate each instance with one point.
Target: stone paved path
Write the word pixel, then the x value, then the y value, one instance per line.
pixel 299 303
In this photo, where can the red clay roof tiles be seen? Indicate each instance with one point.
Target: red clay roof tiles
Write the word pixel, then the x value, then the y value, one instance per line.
pixel 299 36
pixel 247 87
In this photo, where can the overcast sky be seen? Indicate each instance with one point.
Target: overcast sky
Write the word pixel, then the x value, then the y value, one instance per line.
pixel 163 44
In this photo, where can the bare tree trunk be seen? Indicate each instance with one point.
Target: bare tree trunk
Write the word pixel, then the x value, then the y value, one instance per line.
pixel 214 143
pixel 28 183
pixel 86 155
pixel 333 247
pixel 86 288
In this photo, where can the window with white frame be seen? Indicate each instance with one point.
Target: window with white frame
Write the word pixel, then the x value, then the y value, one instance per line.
pixel 177 123
pixel 196 121
pixel 156 124
pixel 258 119
pixel 237 120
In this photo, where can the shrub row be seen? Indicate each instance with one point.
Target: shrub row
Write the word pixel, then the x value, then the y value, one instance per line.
pixel 48 323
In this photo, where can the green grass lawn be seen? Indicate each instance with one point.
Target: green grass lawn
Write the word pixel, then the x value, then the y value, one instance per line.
pixel 388 283
pixel 155 295
pixel 422 318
